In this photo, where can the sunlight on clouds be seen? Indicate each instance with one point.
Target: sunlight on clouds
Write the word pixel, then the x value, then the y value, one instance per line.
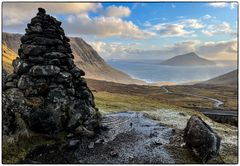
pixel 112 50
pixel 193 23
pixel 117 11
pixel 222 50
pixel 182 28
pixel 171 30
pixel 106 27
pixel 218 4
pixel 17 13
pixel 225 50
pixel 231 5
pixel 223 28
pixel 118 22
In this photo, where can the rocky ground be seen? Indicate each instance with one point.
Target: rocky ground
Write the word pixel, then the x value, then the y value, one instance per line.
pixel 129 137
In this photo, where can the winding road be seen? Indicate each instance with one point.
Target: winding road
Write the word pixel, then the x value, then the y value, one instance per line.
pixel 217 105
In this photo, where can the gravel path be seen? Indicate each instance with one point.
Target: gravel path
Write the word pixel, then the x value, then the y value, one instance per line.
pixel 131 138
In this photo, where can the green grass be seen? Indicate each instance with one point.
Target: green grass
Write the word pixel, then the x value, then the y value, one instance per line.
pixel 168 115
pixel 226 94
pixel 15 151
pixel 112 102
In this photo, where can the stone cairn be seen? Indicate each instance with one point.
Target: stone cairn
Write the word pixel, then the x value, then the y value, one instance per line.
pixel 46 87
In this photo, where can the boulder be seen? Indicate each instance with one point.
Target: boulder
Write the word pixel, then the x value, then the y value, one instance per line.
pixel 203 141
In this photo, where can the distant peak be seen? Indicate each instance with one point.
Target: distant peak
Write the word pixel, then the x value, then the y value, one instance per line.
pixel 191 54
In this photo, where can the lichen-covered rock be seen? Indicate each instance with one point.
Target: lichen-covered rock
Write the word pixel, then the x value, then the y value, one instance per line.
pixel 8 116
pixel 199 136
pixel 47 70
pixel 20 66
pixel 46 88
pixel 4 76
pixel 24 82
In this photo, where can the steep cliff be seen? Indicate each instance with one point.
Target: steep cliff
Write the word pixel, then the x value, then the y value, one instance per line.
pixel 85 57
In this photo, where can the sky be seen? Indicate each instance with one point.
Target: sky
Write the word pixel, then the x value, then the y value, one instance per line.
pixel 157 30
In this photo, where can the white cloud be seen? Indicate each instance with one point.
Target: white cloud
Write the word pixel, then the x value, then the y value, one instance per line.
pixel 117 11
pixel 231 5
pixel 112 50
pixel 147 24
pixel 172 30
pixel 105 27
pixel 206 17
pixel 181 28
pixel 18 13
pixel 226 50
pixel 216 29
pixel 107 23
pixel 222 50
pixel 218 4
pixel 193 23
pixel 183 47
pixel 164 52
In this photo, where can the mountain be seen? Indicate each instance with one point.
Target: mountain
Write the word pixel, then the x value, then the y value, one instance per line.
pixel 190 59
pixel 85 57
pixel 228 79
pixel 8 56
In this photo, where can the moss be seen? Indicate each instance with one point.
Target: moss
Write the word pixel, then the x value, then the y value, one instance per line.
pixel 12 151
pixel 34 102
pixel 181 154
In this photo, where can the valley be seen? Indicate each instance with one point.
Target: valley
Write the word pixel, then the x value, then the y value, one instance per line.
pixel 122 96
pixel 174 96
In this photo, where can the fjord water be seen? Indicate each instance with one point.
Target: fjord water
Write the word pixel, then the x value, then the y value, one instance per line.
pixel 151 71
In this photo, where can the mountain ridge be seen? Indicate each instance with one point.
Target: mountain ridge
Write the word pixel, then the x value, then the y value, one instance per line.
pixel 85 57
pixel 189 59
pixel 227 79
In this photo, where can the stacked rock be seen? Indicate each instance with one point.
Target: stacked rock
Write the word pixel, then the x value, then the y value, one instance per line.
pixel 56 96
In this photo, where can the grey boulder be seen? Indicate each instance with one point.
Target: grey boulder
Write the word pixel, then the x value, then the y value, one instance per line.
pixel 203 141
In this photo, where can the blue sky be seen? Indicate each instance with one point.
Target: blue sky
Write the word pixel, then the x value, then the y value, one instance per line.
pixel 141 30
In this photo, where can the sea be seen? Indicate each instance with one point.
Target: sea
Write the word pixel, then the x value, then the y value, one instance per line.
pixel 151 71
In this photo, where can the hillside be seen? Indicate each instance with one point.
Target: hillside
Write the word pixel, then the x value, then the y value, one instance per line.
pixel 85 57
pixel 7 57
pixel 228 79
pixel 190 59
